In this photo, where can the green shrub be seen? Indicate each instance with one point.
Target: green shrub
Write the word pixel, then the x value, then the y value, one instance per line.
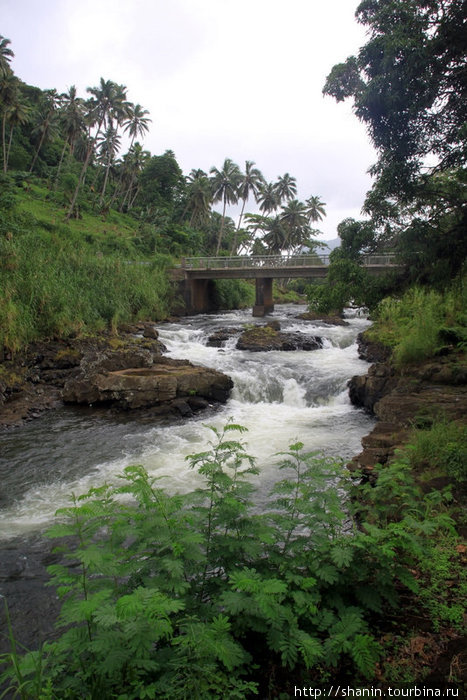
pixel 418 324
pixel 201 596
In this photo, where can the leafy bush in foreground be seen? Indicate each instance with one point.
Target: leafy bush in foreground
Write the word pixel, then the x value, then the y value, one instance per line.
pixel 201 596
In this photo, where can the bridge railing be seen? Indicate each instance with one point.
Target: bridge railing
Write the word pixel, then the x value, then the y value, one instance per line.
pixel 244 261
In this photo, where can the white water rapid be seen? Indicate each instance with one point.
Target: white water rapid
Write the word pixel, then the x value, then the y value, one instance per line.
pixel 278 396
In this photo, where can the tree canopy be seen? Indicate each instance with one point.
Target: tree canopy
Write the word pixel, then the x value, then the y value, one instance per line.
pixel 408 84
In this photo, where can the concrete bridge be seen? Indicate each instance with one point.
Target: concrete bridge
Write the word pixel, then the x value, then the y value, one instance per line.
pixel 198 273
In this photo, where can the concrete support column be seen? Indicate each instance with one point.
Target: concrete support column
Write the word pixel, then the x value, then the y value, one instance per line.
pixel 263 303
pixel 199 296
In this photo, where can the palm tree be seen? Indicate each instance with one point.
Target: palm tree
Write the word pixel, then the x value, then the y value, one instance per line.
pixel 108 101
pixel 251 181
pixel 46 126
pixel 6 55
pixel 72 123
pixel 225 184
pixel 315 208
pixel 275 236
pixel 295 222
pixel 8 97
pixel 255 223
pixel 133 164
pixel 18 113
pixel 267 198
pixel 286 187
pixel 136 123
pixel 109 146
pixel 199 198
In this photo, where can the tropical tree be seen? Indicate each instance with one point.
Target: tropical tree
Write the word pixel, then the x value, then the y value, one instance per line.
pixel 198 198
pixel 267 198
pixel 225 187
pixel 109 145
pixel 315 209
pixel 8 97
pixel 133 164
pixel 107 102
pixel 17 114
pixel 408 86
pixel 276 235
pixel 46 124
pixel 286 187
pixel 136 123
pixel 294 221
pixel 6 54
pixel 250 184
pixel 72 123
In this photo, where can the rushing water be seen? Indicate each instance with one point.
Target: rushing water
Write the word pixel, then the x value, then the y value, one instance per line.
pixel 279 396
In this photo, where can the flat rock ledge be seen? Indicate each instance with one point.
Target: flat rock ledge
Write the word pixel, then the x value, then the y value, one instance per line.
pixel 168 384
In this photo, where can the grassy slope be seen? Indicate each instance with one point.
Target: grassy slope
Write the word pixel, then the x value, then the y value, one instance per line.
pixel 63 277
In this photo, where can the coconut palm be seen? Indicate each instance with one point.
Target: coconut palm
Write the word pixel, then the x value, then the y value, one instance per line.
pixel 17 114
pixel 250 184
pixel 275 236
pixel 315 209
pixel 109 145
pixel 6 54
pixel 295 222
pixel 254 223
pixel 198 198
pixel 286 187
pixel 133 164
pixel 71 122
pixel 225 184
pixel 107 103
pixel 8 97
pixel 136 123
pixel 267 198
pixel 46 126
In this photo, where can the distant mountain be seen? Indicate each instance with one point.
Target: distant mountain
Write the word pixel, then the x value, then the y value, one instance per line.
pixel 333 243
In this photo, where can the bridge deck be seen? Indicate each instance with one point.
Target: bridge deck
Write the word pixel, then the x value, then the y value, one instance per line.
pixel 257 267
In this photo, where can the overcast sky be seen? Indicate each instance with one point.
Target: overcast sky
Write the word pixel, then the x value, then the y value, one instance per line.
pixel 240 79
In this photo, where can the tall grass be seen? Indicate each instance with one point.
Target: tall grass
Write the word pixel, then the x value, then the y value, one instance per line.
pixel 417 324
pixel 53 284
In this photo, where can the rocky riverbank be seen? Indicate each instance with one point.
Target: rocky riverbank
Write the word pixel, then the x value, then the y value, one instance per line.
pixel 405 399
pixel 124 371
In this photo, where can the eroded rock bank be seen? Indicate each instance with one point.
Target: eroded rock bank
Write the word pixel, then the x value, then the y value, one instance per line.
pixel 404 399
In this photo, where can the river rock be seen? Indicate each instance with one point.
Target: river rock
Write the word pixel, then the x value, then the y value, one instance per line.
pixel 329 320
pixel 220 337
pixel 265 338
pixel 140 387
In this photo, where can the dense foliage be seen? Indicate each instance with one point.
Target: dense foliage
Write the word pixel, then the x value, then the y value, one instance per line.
pixel 422 323
pixel 201 596
pixel 408 84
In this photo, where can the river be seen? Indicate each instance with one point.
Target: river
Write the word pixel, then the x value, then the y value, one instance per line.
pixel 278 396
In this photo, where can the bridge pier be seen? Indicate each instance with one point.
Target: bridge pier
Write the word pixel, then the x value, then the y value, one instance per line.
pixel 199 296
pixel 263 302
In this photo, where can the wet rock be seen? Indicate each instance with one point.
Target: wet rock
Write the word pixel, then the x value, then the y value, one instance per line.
pixel 219 338
pixel 329 320
pixel 265 338
pixel 140 387
pixel 371 351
